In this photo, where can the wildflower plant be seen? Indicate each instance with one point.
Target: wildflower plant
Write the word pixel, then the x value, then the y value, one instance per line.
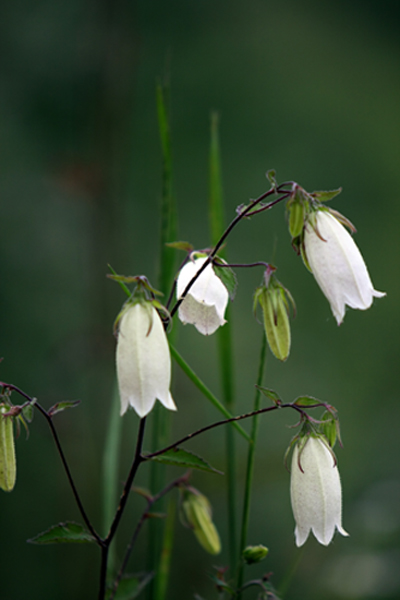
pixel 199 293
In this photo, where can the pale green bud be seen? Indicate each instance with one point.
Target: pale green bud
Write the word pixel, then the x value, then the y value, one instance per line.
pixel 8 469
pixel 254 554
pixel 197 512
pixel 275 309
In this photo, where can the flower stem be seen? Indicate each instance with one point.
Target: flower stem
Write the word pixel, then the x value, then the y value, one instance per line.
pixel 250 465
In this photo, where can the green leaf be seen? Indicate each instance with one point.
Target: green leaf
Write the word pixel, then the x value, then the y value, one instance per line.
pixel 306 401
pixel 60 406
pixel 220 583
pixel 64 533
pixel 270 394
pixel 325 196
pixel 182 458
pixel 130 586
pixel 186 246
pixel 228 278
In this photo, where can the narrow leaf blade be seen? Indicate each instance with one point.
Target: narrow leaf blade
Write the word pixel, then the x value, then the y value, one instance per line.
pixel 130 587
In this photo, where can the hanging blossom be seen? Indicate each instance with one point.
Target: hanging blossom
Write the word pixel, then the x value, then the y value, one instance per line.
pixel 143 360
pixel 315 491
pixel 337 265
pixel 205 304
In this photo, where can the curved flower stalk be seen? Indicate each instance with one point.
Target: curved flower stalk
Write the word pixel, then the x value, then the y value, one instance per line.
pixel 143 360
pixel 206 301
pixel 315 491
pixel 337 265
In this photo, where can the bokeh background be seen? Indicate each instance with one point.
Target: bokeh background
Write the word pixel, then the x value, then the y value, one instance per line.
pixel 308 88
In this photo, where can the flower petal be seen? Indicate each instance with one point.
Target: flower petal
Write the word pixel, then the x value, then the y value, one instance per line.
pixel 316 493
pixel 143 360
pixel 338 266
pixel 205 304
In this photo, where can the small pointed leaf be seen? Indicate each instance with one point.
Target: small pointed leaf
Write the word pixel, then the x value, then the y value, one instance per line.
pixel 306 401
pixel 186 246
pixel 182 458
pixel 325 196
pixel 64 533
pixel 60 406
pixel 271 177
pixel 270 394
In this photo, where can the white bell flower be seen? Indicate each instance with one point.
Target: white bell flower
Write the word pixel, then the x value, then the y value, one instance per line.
pixel 337 265
pixel 205 304
pixel 143 360
pixel 316 493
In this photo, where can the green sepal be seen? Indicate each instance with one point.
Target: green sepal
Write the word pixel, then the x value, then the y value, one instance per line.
pixel 179 457
pixel 304 255
pixel 228 278
pixel 296 218
pixel 60 406
pixel 28 412
pixel 64 533
pixel 342 219
pixel 130 586
pixel 325 196
pixel 330 427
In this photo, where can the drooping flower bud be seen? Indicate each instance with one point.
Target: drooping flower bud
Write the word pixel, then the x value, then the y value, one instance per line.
pixel 8 471
pixel 273 300
pixel 315 491
pixel 337 265
pixel 198 515
pixel 254 554
pixel 143 360
pixel 205 304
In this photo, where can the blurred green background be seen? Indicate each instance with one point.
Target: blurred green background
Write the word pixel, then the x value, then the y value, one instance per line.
pixel 309 88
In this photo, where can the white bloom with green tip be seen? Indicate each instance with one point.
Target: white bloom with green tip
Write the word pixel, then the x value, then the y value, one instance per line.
pixel 337 265
pixel 315 492
pixel 143 360
pixel 205 304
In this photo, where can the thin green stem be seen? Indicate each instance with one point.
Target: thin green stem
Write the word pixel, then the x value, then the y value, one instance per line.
pixel 250 464
pixel 204 389
pixel 226 367
pixel 111 473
